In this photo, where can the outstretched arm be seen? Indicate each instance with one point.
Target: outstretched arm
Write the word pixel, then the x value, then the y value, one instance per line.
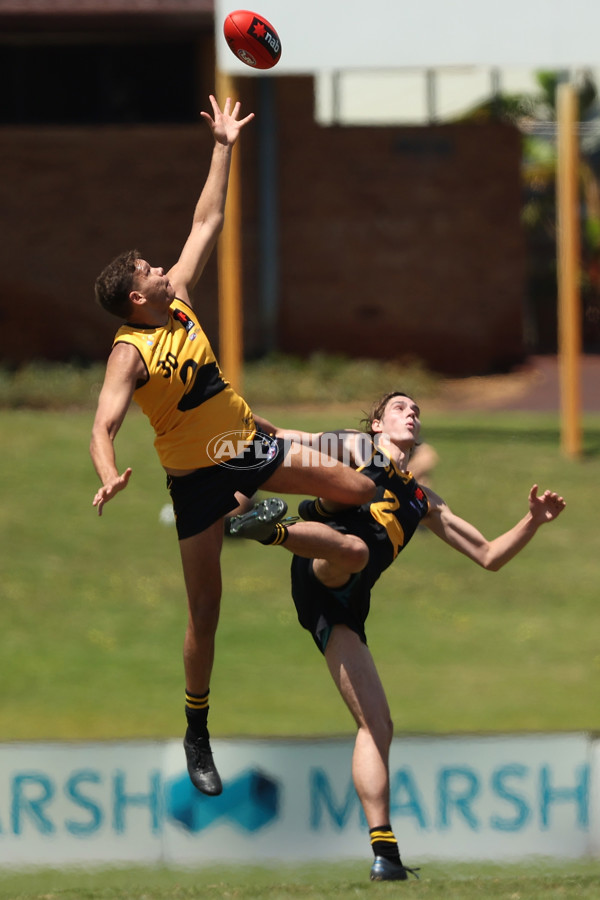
pixel 123 370
pixel 492 555
pixel 209 214
pixel 348 445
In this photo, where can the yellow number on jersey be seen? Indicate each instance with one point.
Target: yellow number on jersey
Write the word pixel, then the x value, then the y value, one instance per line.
pixel 383 512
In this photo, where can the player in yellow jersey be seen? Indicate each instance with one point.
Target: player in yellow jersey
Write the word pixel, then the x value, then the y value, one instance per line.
pixel 208 440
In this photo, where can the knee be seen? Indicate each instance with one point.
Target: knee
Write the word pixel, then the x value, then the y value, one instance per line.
pixel 204 613
pixel 365 490
pixel 356 554
pixel 380 729
pixel 388 727
pixel 385 731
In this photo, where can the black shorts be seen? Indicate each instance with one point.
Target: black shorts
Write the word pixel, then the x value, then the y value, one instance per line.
pixel 319 608
pixel 208 494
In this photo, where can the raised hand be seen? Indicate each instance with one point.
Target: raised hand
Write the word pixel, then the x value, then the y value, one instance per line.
pixel 225 125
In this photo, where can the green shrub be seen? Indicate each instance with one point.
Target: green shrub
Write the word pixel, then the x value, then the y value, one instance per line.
pixel 280 380
pixel 276 380
pixel 42 385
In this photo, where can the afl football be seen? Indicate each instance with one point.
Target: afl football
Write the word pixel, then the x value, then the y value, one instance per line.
pixel 252 39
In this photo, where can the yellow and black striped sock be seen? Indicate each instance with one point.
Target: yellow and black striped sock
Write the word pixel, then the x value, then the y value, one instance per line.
pixel 278 536
pixel 384 842
pixel 196 711
pixel 320 509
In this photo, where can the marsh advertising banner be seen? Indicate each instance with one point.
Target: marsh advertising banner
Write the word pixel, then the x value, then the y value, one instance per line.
pixel 500 797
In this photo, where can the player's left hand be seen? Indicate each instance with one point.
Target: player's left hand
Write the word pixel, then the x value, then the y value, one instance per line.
pixel 225 125
pixel 110 489
pixel 545 508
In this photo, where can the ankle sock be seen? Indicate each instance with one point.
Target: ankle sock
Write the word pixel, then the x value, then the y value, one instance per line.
pixel 196 711
pixel 384 843
pixel 279 535
pixel 320 509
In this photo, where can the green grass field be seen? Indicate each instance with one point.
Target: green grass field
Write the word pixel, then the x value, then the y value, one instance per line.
pixel 542 880
pixel 93 614
pixel 93 608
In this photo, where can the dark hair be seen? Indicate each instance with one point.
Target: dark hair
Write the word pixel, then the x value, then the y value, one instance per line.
pixel 115 282
pixel 378 409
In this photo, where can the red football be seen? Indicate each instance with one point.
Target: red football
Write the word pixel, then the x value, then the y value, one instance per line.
pixel 252 39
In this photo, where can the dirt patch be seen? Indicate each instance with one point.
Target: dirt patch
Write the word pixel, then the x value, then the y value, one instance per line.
pixel 486 392
pixel 535 386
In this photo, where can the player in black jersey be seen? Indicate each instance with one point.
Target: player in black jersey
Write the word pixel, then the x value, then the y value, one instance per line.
pixel 338 556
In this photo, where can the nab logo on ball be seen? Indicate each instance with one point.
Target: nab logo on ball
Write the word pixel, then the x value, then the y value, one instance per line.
pixel 252 39
pixel 267 38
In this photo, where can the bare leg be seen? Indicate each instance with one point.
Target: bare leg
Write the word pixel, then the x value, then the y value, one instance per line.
pixel 306 471
pixel 353 670
pixel 336 556
pixel 200 556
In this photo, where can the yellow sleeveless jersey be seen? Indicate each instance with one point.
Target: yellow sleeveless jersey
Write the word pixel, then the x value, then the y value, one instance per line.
pixel 185 396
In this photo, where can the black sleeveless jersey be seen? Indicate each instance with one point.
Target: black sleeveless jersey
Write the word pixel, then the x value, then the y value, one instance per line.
pixel 387 522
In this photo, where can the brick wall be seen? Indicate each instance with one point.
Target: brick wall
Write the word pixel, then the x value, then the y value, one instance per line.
pixel 392 242
pixel 401 242
pixel 71 200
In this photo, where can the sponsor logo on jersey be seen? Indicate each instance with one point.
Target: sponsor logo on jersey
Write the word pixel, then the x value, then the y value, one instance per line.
pixel 188 324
